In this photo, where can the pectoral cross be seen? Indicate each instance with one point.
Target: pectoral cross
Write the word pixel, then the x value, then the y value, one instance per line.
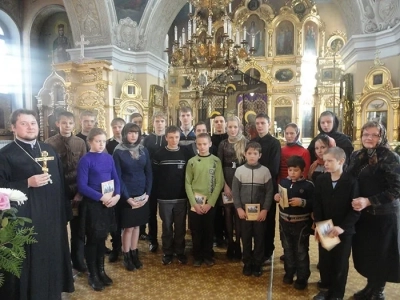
pixel 82 43
pixel 45 157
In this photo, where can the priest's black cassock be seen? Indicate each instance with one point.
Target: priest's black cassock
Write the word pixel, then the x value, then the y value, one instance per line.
pixel 46 271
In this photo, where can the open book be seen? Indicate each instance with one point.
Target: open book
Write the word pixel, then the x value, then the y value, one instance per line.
pixel 252 211
pixel 107 187
pixel 200 199
pixel 284 202
pixel 323 229
pixel 140 198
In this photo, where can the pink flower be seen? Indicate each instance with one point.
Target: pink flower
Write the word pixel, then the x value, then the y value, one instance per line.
pixel 4 202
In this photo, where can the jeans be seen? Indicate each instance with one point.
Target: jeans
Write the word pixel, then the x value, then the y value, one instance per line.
pixel 295 238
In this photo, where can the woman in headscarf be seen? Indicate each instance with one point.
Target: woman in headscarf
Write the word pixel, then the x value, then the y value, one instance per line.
pixel 231 153
pixel 328 124
pixel 293 147
pixel 376 244
pixel 133 165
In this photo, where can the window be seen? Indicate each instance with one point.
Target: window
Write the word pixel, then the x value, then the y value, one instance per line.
pixel 10 62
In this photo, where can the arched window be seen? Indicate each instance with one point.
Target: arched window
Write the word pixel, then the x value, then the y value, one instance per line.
pixel 10 61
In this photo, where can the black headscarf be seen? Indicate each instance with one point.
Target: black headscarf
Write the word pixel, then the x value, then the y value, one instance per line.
pixel 382 143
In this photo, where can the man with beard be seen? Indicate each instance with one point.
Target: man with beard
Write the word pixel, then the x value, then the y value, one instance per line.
pixel 46 270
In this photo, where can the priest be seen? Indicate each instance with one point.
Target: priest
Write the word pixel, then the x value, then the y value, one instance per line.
pixel 35 169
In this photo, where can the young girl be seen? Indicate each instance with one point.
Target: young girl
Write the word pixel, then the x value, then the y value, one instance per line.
pixel 231 153
pixel 133 166
pixel 322 143
pixel 97 212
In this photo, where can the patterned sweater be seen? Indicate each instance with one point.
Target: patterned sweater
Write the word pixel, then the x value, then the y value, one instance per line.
pixel 204 176
pixel 252 184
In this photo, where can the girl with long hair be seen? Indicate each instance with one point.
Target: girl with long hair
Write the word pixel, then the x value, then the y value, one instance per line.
pixel 231 153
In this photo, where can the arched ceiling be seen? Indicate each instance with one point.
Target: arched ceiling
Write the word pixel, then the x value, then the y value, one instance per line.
pixel 155 17
pixel 164 12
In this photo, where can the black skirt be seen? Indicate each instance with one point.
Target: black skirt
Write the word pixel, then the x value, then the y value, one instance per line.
pixel 96 220
pixel 376 246
pixel 133 217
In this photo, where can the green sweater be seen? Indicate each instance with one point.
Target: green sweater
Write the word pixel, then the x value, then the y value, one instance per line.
pixel 204 176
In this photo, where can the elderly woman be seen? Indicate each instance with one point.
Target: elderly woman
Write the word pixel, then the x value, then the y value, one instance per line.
pixel 376 244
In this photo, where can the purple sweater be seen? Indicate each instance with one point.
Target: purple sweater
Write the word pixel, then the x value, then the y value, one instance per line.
pixel 93 169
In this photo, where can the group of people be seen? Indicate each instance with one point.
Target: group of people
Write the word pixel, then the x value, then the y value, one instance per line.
pixel 215 183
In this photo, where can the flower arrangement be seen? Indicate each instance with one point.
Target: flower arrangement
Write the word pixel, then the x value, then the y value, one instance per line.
pixel 14 234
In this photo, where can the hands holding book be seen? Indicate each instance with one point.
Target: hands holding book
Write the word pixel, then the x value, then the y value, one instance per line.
pixel 138 201
pixel 109 200
pixel 202 209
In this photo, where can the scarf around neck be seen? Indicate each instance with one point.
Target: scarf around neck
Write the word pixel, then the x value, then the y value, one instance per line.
pixel 134 149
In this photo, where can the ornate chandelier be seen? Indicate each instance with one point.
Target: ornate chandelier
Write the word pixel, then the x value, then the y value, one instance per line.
pixel 210 41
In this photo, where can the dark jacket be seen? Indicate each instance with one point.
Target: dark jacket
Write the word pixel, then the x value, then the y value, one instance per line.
pixel 303 189
pixel 335 203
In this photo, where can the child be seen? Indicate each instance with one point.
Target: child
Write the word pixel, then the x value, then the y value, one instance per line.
pixel 70 149
pixel 334 192
pixel 232 155
pixel 204 179
pixel 169 185
pixel 322 144
pixel 116 125
pixel 154 142
pixel 88 122
pixel 295 222
pixel 97 212
pixel 252 183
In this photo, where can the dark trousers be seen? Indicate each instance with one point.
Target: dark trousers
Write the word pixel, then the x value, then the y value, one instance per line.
pixel 77 243
pixel 219 224
pixel 202 228
pixel 334 266
pixel 269 236
pixel 173 216
pixel 116 235
pixel 250 230
pixel 295 238
pixel 153 228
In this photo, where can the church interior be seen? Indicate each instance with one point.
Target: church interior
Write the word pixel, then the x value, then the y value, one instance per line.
pixel 291 59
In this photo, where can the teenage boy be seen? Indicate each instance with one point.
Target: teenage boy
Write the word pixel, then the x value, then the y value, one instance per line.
pixel 219 132
pixel 294 222
pixel 88 121
pixel 218 136
pixel 137 119
pixel 203 183
pixel 270 158
pixel 252 184
pixel 200 127
pixel 334 193
pixel 187 133
pixel 154 142
pixel 116 125
pixel 70 149
pixel 169 164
